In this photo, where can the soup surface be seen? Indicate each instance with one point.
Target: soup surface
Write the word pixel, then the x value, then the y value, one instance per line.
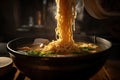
pixel 84 48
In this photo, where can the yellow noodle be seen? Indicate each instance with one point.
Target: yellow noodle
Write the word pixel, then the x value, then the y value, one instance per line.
pixel 66 14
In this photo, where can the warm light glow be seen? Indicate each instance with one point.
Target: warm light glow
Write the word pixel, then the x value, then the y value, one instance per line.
pixel 39 18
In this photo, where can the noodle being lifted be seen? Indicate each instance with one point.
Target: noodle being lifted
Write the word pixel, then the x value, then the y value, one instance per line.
pixel 64 44
pixel 65 20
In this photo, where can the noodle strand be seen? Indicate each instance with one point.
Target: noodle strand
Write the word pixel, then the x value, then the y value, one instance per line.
pixel 66 14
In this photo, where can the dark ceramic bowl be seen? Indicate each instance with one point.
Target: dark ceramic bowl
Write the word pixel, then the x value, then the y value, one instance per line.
pixel 59 68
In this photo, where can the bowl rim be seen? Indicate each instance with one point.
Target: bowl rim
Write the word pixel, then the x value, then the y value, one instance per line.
pixel 59 56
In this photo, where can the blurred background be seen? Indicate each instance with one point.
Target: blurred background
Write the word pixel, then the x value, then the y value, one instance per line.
pixel 21 18
pixel 36 17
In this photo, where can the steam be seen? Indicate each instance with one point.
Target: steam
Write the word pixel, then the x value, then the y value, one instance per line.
pixel 79 9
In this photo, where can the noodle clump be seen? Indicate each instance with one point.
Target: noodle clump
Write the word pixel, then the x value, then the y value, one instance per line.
pixel 66 14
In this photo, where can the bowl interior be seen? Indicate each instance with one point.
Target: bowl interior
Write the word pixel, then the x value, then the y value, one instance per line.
pixel 14 44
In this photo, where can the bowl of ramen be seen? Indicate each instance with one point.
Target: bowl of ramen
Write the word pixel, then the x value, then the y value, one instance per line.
pixel 31 59
pixel 66 57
